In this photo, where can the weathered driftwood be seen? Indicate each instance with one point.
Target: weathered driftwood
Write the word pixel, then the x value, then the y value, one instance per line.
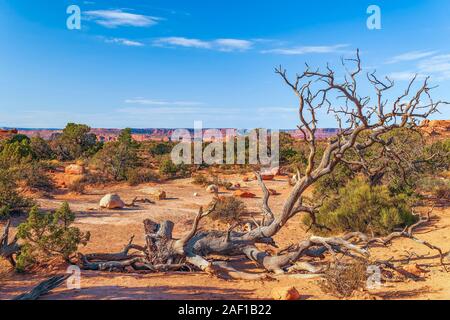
pixel 43 288
pixel 8 249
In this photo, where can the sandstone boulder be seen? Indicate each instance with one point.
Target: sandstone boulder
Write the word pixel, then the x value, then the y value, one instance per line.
pixel 285 293
pixel 111 201
pixel 74 169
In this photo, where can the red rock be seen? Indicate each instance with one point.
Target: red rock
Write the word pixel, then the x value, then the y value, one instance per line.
pixel 285 293
pixel 244 194
pixel 267 177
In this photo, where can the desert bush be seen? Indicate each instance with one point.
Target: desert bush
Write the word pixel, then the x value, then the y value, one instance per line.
pixel 118 157
pixel 47 235
pixel 200 179
pixel 169 169
pixel 138 176
pixel 41 149
pixel 11 201
pixel 332 183
pixel 78 186
pixel 228 209
pixel 436 186
pixel 34 175
pixel 343 280
pixel 160 148
pixel 75 141
pixel 361 207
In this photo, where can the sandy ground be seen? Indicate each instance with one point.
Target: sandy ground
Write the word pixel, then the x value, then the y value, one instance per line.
pixel 111 230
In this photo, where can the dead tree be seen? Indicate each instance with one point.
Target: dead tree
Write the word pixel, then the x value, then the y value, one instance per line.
pixel 362 120
pixel 8 249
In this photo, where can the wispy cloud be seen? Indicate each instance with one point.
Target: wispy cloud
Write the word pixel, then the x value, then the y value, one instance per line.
pixel 437 66
pixel 125 42
pixel 404 75
pixel 182 42
pixel 119 18
pixel 228 44
pixel 233 44
pixel 151 102
pixel 307 50
pixel 410 56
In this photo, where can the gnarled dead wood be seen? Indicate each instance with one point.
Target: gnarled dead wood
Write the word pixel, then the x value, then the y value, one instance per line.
pixel 8 249
pixel 43 288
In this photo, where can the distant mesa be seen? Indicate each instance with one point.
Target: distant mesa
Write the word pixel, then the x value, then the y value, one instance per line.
pixel 434 128
pixel 7 133
pixel 158 134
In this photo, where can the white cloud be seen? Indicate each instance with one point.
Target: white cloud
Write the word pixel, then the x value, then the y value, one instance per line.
pixel 182 42
pixel 118 18
pixel 404 76
pixel 125 42
pixel 233 44
pixel 150 102
pixel 217 44
pixel 307 49
pixel 410 56
pixel 438 67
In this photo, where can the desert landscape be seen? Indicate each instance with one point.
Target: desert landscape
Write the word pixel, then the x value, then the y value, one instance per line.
pixel 174 150
pixel 415 271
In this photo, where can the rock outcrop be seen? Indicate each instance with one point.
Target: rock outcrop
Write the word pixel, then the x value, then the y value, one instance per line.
pixel 111 201
pixel 440 128
pixel 74 169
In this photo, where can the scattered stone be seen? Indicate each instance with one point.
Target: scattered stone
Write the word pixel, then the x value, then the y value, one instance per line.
pixel 285 293
pixel 74 169
pixel 415 270
pixel 212 188
pixel 244 194
pixel 112 201
pixel 196 194
pixel 160 195
pixel 246 179
pixel 267 177
pixel 155 193
pixel 273 192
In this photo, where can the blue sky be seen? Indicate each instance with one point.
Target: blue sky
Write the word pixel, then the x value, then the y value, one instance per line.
pixel 168 63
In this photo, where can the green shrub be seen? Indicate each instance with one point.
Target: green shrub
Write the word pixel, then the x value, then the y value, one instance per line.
pixel 171 170
pixel 41 149
pixel 47 235
pixel 117 158
pixel 228 209
pixel 75 141
pixel 160 149
pixel 10 199
pixel 360 207
pixel 34 175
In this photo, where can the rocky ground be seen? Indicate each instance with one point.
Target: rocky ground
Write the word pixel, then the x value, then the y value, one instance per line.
pixel 112 229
